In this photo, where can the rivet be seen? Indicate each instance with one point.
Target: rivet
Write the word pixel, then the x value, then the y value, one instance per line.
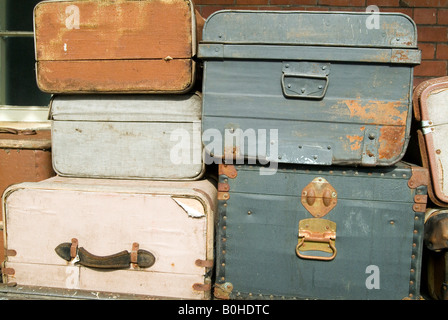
pixel 289 85
pixel 249 212
pixel 438 151
pixel 287 66
pixel 324 67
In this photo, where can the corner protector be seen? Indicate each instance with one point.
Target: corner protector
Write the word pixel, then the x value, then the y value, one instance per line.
pixel 228 170
pixel 223 290
pixel 419 177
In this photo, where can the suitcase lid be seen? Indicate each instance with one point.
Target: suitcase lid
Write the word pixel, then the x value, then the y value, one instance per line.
pixel 136 108
pixel 393 30
pixel 155 29
pixel 399 178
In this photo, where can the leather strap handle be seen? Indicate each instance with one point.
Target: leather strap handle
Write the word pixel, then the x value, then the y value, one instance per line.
pixel 27 132
pixel 122 260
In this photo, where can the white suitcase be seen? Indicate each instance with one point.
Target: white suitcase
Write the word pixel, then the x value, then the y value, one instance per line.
pixel 128 136
pixel 143 238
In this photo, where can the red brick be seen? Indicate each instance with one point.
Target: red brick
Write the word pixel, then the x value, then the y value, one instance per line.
pixel 213 2
pixel 343 3
pixel 406 11
pixel 383 3
pixel 424 3
pixel 206 11
pixel 252 2
pixel 431 68
pixel 428 50
pixel 294 2
pixel 425 16
pixel 418 80
pixel 442 16
pixel 442 51
pixel 432 34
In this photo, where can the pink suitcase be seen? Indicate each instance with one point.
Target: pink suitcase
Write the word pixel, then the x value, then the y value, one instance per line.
pixel 153 238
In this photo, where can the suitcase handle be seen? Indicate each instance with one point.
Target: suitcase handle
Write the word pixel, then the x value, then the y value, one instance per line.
pixel 69 251
pixel 304 86
pixel 319 235
pixel 27 132
pixel 303 256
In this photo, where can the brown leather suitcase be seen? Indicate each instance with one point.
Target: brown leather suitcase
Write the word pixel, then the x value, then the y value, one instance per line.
pixel 25 154
pixel 116 46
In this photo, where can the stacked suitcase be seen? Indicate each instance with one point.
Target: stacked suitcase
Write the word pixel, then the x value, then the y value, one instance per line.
pixel 130 212
pixel 307 115
pixel 430 101
pixel 25 149
pixel 335 214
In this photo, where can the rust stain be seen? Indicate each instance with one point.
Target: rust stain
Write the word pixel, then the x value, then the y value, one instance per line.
pixel 391 142
pixel 400 55
pixel 355 141
pixel 377 112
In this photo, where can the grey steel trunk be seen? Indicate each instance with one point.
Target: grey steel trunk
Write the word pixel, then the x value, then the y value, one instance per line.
pixel 336 87
pixel 153 137
pixel 378 217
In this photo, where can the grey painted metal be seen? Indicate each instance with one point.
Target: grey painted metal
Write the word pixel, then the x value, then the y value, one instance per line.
pixel 257 233
pixel 128 136
pixel 311 28
pixel 298 72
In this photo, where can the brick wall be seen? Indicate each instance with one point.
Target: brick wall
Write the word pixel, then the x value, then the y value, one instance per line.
pixel 431 17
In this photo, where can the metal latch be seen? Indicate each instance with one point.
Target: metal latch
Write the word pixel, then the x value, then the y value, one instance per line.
pixel 317 235
pixel 319 197
pixel 305 79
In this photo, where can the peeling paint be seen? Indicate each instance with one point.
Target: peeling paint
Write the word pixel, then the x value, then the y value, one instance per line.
pixel 355 141
pixel 192 212
pixel 377 112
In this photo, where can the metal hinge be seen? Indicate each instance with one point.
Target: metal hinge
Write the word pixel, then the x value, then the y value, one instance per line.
pixel 427 126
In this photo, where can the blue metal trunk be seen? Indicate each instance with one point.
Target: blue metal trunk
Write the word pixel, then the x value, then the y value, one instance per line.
pixel 320 233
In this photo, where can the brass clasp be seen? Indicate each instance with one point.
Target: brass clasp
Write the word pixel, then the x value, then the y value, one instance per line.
pixel 319 197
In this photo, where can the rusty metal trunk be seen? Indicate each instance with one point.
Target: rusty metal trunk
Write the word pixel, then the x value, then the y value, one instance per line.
pixel 325 86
